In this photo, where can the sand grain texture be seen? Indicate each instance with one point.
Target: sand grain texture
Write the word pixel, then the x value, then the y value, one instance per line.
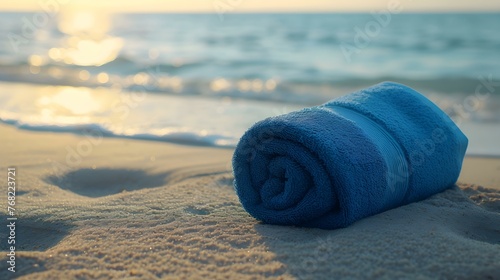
pixel 147 210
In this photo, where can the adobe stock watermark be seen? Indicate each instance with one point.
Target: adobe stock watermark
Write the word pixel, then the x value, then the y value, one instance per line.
pixel 132 99
pixel 92 137
pixel 11 218
pixel 473 102
pixel 256 143
pixel 252 144
pixel 425 148
pixel 31 24
pixel 75 154
pixel 222 7
pixel 363 36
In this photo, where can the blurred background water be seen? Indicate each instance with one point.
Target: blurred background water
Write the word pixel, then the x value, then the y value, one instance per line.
pixel 194 78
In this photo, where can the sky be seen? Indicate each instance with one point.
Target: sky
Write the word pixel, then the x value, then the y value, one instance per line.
pixel 253 5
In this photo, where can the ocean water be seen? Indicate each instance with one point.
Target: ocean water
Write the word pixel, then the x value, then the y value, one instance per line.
pixel 204 79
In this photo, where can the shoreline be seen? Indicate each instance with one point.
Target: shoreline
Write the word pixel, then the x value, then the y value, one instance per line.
pixel 476 169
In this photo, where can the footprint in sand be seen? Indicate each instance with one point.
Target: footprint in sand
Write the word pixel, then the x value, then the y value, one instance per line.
pixel 106 181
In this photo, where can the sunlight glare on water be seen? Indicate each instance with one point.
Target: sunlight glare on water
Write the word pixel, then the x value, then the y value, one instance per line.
pixel 87 42
pixel 78 101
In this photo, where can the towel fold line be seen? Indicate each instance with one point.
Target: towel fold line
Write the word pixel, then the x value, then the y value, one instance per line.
pixel 397 165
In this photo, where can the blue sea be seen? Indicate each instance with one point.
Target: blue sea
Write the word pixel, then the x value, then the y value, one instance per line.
pixel 204 79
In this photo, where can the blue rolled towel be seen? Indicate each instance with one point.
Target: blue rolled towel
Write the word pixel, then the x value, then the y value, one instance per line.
pixel 355 156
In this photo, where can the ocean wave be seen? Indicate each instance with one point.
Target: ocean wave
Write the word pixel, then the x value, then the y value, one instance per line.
pixel 211 125
pixel 214 118
pixel 96 130
pixel 161 80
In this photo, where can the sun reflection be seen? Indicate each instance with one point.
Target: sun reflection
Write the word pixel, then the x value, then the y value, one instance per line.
pixel 84 75
pixel 88 23
pixel 78 101
pixel 36 60
pixel 74 22
pixel 103 78
pixel 87 43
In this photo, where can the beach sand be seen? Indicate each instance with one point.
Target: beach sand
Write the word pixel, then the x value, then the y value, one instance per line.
pixel 91 207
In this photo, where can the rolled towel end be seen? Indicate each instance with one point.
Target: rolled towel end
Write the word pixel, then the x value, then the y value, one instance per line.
pixel 331 165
